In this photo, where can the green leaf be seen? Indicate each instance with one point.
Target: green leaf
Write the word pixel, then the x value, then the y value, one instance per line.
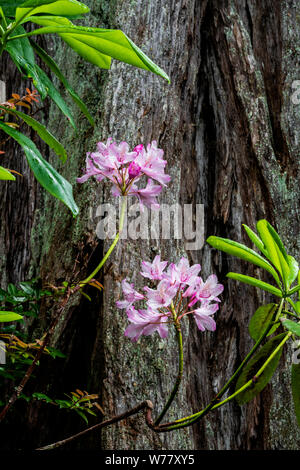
pixel 9 6
pixel 53 66
pixel 6 175
pixel 253 366
pixel 58 7
pixel 296 390
pixel 45 135
pixel 22 55
pixel 252 281
pixel 35 3
pixel 42 396
pixel 63 403
pixel 55 352
pixel 47 176
pixel 261 320
pixel 294 290
pixel 9 316
pixel 80 413
pixel 242 252
pixel 275 249
pixel 294 269
pixel 297 307
pixel 277 240
pixel 55 95
pixel 255 239
pixel 110 43
pixel 291 326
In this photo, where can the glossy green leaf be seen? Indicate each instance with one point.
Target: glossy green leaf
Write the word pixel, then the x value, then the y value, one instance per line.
pixel 47 176
pixel 35 3
pixel 55 69
pixel 22 55
pixel 56 96
pixel 256 362
pixel 261 320
pixel 252 281
pixel 6 175
pixel 296 390
pixel 45 135
pixel 294 269
pixel 297 306
pixel 255 239
pixel 110 43
pixel 9 316
pixel 274 247
pixel 242 252
pixel 58 7
pixel 291 326
pixel 294 290
pixel 277 240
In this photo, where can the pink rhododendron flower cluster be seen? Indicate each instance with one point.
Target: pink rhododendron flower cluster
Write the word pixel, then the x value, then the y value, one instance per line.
pixel 179 290
pixel 125 168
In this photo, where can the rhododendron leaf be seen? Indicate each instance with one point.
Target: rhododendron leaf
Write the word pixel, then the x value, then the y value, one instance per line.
pixel 242 252
pixel 253 366
pixel 255 239
pixel 294 290
pixel 22 55
pixel 294 269
pixel 9 316
pixel 55 7
pixel 261 320
pixel 43 133
pixel 88 53
pixel 6 175
pixel 277 240
pixel 55 69
pixel 275 248
pixel 292 326
pixel 110 43
pixel 47 176
pixel 296 389
pixel 56 96
pixel 252 281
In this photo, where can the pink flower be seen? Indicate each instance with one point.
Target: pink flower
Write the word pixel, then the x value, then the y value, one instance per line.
pixel 145 322
pixel 182 273
pixel 130 294
pixel 121 152
pixel 177 290
pixel 91 170
pixel 203 316
pixel 147 196
pixel 162 296
pixel 124 169
pixel 152 163
pixel 155 269
pixel 133 170
pixel 208 290
pixel 172 276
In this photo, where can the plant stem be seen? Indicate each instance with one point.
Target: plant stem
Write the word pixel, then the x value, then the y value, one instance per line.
pixel 112 246
pixel 213 404
pixel 180 367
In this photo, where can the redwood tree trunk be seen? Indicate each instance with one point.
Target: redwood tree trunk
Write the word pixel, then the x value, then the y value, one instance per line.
pixel 230 133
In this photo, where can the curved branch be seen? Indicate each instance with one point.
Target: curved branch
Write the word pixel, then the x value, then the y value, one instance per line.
pixel 147 404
